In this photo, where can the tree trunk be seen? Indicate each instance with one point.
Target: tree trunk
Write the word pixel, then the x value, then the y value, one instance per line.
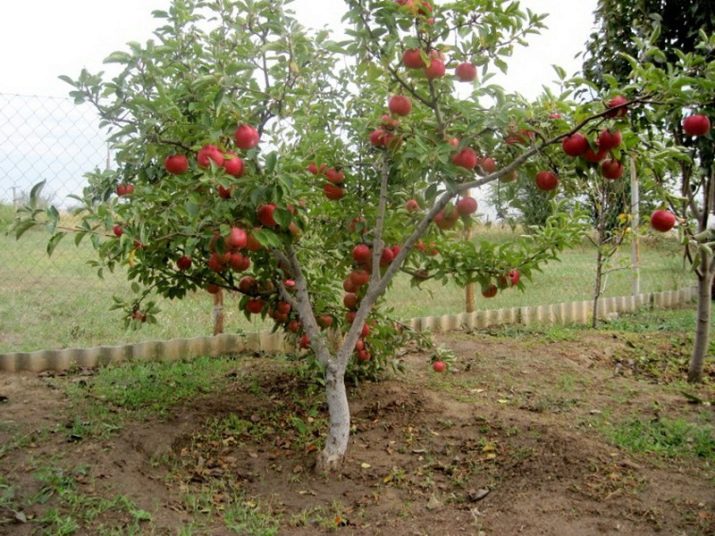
pixel 336 444
pixel 702 330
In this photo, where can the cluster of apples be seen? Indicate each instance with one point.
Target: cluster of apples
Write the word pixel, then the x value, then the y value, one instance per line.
pixel 124 189
pixel 447 218
pixel 246 137
pixel 385 135
pixel 334 188
pixel 433 64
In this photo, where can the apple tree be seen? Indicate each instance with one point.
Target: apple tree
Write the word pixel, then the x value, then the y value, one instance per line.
pixel 306 173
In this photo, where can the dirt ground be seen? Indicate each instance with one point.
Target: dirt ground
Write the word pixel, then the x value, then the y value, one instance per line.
pixel 513 440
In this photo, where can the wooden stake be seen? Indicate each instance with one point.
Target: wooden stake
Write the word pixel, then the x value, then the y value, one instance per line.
pixel 218 312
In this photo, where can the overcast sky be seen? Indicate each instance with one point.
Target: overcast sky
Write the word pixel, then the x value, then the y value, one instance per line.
pixel 46 38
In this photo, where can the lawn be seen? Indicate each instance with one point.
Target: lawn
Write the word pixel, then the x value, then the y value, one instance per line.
pixel 60 302
pixel 539 430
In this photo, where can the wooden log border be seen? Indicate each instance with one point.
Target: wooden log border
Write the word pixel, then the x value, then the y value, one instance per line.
pixel 578 312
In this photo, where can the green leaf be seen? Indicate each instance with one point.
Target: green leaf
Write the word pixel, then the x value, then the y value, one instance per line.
pixel 35 192
pixel 22 227
pixel 52 244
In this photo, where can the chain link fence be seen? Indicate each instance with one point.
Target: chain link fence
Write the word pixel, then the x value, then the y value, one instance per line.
pixel 59 302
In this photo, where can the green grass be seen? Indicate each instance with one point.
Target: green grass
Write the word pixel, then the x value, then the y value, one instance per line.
pixel 69 509
pixel 674 320
pixel 666 437
pixel 104 401
pixel 60 302
pixel 249 519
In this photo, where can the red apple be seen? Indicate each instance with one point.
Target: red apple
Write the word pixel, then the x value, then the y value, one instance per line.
pixel 696 125
pixel 283 307
pixel 575 145
pixel 349 286
pixel 381 138
pixel 400 105
pixel 594 157
pixel 466 206
pixel 265 215
pixel 619 103
pixel 117 230
pixel 233 165
pixel 662 220
pixel 439 366
pixel 211 288
pixel 294 326
pixel 546 180
pixel 466 72
pixel 488 164
pixel 350 300
pixel 247 284
pixel 412 59
pixel 360 345
pixel 304 342
pixel 125 189
pixel 223 193
pixel 255 305
pixel 335 176
pixel 333 192
pixel 489 291
pixel 350 317
pixel 237 238
pixel 362 254
pixel 325 321
pixel 183 262
pixel 208 154
pixel 252 244
pixel 246 136
pixel 364 355
pixel 215 262
pixel 612 169
pixel 446 218
pixel 359 277
pixel 514 277
pixel 176 164
pixel 313 168
pixel 365 331
pixel 412 205
pixel 609 139
pixel 238 262
pixel 386 257
pixel 466 158
pixel 436 69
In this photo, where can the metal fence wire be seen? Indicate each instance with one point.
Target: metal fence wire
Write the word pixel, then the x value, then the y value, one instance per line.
pixel 58 301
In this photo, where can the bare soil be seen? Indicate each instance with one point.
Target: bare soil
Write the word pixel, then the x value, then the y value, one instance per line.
pixel 509 442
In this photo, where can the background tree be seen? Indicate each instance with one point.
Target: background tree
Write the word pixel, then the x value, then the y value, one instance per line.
pixel 663 33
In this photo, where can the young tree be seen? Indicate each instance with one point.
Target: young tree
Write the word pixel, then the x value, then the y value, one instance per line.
pixel 256 158
pixel 671 40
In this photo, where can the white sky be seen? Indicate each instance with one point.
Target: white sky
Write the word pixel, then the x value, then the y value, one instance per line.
pixel 46 38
